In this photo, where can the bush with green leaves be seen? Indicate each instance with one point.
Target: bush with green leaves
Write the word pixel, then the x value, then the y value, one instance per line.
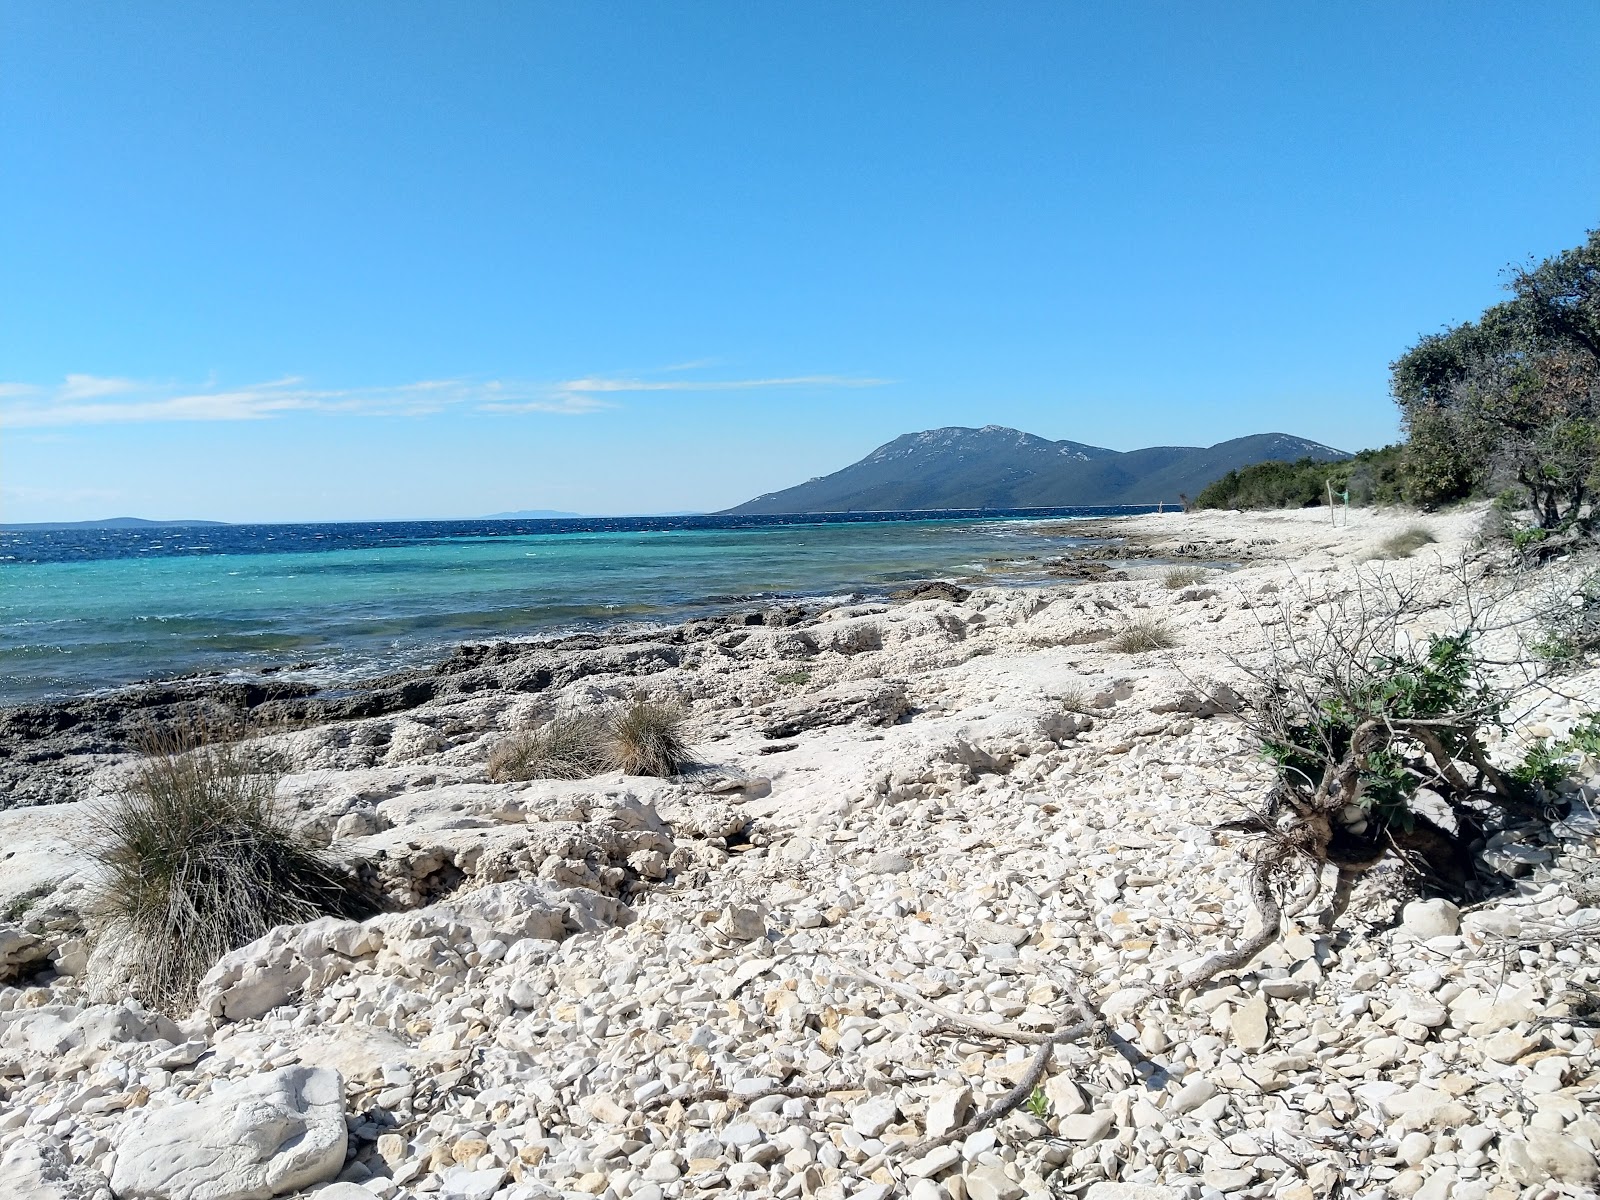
pixel 195 858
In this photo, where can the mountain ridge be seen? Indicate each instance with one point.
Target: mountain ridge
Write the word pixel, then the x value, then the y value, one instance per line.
pixel 994 466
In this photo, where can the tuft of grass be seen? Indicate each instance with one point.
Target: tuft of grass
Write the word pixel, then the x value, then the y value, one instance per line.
pixel 647 738
pixel 563 748
pixel 792 677
pixel 1075 699
pixel 1182 577
pixel 1143 636
pixel 644 737
pixel 194 858
pixel 1405 543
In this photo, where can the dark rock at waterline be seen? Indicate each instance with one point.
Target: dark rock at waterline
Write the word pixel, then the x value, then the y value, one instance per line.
pixel 937 589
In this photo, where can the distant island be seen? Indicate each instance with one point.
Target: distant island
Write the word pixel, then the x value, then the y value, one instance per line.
pixel 997 467
pixel 532 514
pixel 109 523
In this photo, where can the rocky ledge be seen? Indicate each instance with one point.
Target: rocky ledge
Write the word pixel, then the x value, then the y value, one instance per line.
pixel 931 846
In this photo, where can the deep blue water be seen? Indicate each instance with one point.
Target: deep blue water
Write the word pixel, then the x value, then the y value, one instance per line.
pixel 83 609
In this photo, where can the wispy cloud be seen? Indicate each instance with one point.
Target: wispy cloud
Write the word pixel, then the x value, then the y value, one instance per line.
pixel 98 400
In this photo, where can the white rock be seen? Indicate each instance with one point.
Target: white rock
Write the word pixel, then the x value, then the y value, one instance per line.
pixel 258 1137
pixel 1424 919
pixel 1537 1156
pixel 872 1117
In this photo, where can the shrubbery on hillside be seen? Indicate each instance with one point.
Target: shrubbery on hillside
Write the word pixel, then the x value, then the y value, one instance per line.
pixel 1371 477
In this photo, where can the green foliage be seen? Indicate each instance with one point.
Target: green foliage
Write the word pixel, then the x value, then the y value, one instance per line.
pixel 1143 636
pixel 1549 762
pixel 1037 1104
pixel 1437 685
pixel 1545 763
pixel 1513 397
pixel 791 677
pixel 196 859
pixel 1371 477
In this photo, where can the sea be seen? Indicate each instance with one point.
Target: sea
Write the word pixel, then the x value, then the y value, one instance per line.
pixel 83 610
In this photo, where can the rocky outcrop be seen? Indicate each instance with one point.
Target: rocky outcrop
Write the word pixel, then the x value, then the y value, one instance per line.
pixel 259 1137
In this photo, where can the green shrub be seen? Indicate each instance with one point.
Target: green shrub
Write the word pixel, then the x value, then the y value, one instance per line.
pixel 1143 636
pixel 1371 477
pixel 646 738
pixel 1182 577
pixel 788 677
pixel 572 747
pixel 196 859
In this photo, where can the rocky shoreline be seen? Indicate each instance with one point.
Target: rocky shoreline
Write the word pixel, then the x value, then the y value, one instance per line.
pixel 931 846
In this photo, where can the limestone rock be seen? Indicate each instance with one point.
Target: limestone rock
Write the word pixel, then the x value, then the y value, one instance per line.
pixel 1424 919
pixel 253 1139
pixel 1538 1156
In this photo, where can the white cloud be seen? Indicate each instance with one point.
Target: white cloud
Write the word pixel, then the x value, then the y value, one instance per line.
pixel 97 400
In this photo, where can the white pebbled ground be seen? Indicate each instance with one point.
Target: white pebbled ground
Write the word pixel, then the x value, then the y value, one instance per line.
pixel 598 988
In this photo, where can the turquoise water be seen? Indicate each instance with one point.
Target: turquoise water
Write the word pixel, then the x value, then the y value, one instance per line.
pixel 132 607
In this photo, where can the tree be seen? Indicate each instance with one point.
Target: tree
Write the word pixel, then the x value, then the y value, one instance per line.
pixel 1513 397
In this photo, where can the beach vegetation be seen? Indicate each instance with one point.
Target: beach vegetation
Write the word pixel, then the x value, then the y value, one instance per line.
pixel 1142 636
pixel 1405 543
pixel 193 858
pixel 642 737
pixel 1378 746
pixel 1370 477
pixel 647 737
pixel 565 747
pixel 1513 398
pixel 1182 577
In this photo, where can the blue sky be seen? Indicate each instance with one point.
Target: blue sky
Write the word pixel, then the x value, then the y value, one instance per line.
pixel 300 261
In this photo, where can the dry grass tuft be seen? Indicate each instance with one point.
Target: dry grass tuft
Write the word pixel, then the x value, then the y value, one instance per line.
pixel 1075 699
pixel 563 748
pixel 1405 543
pixel 1143 636
pixel 1182 577
pixel 646 738
pixel 196 859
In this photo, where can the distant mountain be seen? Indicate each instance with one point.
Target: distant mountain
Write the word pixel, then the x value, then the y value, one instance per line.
pixel 531 514
pixel 996 467
pixel 113 523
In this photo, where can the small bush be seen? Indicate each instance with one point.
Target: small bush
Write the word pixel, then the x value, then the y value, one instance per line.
pixel 792 677
pixel 563 748
pixel 1182 577
pixel 1143 636
pixel 646 738
pixel 1405 543
pixel 196 859
pixel 1568 631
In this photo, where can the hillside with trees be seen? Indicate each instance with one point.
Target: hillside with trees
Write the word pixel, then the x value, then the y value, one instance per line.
pixel 1507 405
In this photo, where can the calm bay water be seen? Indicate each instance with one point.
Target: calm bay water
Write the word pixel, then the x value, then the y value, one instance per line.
pixel 86 609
